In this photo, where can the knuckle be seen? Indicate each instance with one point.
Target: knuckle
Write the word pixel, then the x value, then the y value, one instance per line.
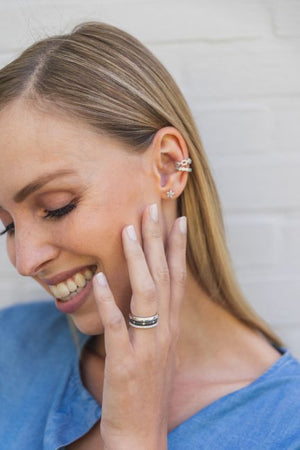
pixel 106 296
pixel 148 293
pixel 180 277
pixel 162 276
pixel 166 339
pixel 155 232
pixel 115 321
pixel 134 251
pixel 149 356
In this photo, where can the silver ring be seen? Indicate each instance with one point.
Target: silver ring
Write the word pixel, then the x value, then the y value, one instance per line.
pixel 143 322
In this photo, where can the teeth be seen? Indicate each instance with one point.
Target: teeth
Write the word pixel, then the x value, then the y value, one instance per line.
pixel 88 274
pixel 71 287
pixel 80 280
pixel 63 290
pixel 54 291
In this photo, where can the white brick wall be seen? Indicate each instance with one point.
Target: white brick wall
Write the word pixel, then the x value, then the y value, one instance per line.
pixel 238 63
pixel 286 17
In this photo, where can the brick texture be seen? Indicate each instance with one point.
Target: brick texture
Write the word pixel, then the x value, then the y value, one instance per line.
pixel 286 16
pixel 152 21
pixel 238 63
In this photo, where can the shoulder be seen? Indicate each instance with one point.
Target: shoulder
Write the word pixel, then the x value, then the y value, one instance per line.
pixel 275 395
pixel 282 380
pixel 270 406
pixel 37 349
pixel 29 320
pixel 38 355
pixel 23 314
pixel 264 414
pixel 33 333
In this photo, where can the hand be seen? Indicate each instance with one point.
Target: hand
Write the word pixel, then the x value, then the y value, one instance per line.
pixel 140 363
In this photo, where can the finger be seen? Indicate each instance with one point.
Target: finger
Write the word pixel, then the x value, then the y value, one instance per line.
pixel 177 265
pixel 144 296
pixel 117 343
pixel 156 259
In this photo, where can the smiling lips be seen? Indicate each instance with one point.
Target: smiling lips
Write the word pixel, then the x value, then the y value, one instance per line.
pixel 69 288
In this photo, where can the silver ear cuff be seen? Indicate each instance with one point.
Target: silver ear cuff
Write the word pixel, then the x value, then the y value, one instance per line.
pixel 183 165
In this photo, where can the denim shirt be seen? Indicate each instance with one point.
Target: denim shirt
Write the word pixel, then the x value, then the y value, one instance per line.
pixel 44 405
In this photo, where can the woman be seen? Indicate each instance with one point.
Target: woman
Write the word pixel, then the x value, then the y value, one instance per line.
pixel 101 164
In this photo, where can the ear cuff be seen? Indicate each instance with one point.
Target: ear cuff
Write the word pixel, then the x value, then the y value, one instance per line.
pixel 181 166
pixel 184 165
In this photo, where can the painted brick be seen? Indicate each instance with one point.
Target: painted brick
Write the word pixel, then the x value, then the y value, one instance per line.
pixel 13 287
pixel 276 300
pixel 5 58
pixel 258 183
pixel 233 71
pixel 203 70
pixel 230 128
pixel 20 290
pixel 285 120
pixel 291 336
pixel 5 265
pixel 268 125
pixel 286 17
pixel 247 237
pixel 173 20
pixel 290 231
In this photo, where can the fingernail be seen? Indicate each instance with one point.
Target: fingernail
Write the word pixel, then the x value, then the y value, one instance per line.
pixel 182 225
pixel 154 212
pixel 101 279
pixel 131 232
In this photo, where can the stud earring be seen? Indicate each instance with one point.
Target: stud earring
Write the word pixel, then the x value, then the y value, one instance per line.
pixel 170 193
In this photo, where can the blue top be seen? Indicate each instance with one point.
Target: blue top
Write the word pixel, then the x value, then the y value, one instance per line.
pixel 43 404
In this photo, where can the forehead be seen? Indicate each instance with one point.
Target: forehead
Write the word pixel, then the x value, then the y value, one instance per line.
pixel 26 132
pixel 33 143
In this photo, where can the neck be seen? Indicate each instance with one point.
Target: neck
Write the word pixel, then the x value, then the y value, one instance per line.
pixel 210 337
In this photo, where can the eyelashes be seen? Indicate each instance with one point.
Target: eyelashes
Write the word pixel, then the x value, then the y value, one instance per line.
pixel 9 229
pixel 54 214
pixel 60 212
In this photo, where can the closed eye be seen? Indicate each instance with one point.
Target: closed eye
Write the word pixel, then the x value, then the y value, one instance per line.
pixel 60 212
pixel 54 214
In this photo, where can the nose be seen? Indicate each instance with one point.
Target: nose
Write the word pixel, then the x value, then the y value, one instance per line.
pixel 32 251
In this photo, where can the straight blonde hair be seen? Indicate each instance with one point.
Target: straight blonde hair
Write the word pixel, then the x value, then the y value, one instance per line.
pixel 109 80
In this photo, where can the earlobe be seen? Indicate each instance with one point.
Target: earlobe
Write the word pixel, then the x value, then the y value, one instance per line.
pixel 172 162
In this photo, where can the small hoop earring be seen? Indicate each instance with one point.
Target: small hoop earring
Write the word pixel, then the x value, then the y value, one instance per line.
pixel 170 193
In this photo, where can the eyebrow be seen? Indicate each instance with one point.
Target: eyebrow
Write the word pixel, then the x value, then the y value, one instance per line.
pixel 38 184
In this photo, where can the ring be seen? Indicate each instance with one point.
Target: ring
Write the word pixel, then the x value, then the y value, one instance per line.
pixel 143 322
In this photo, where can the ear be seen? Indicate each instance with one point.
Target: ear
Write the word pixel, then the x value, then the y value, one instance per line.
pixel 169 147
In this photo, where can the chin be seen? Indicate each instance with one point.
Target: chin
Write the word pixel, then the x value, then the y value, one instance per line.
pixel 87 319
pixel 88 324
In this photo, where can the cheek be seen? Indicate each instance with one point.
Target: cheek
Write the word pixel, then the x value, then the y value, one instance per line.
pixel 94 236
pixel 101 240
pixel 96 229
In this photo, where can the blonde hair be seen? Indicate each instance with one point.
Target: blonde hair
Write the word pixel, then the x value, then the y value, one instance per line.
pixel 109 80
